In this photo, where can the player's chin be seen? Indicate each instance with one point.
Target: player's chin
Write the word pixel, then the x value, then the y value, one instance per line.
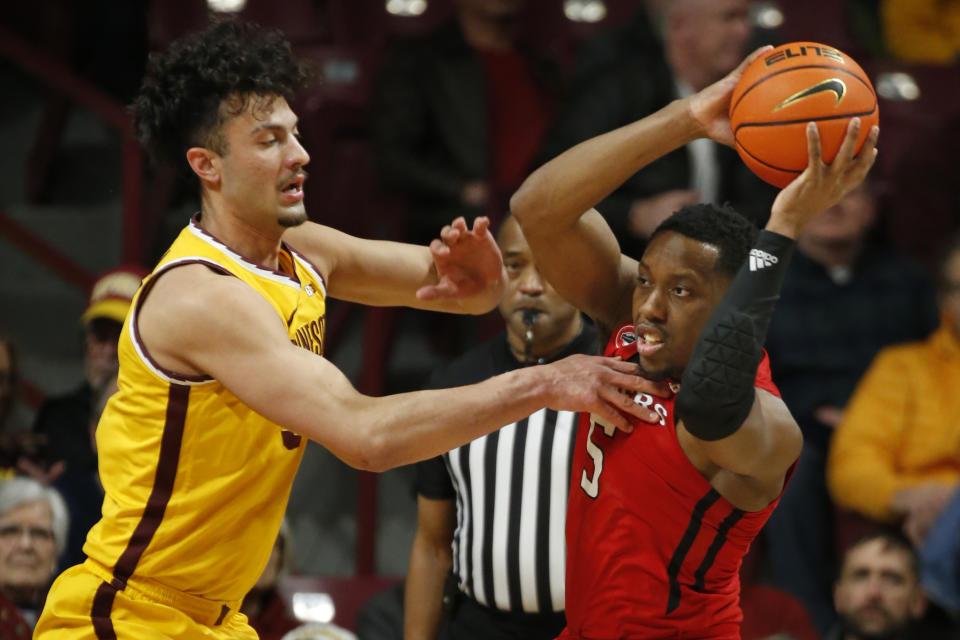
pixel 292 217
pixel 653 369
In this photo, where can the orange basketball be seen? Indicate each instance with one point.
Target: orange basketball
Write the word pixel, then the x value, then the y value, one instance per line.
pixel 783 90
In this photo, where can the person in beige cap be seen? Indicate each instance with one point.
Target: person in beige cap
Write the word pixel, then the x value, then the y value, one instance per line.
pixel 64 421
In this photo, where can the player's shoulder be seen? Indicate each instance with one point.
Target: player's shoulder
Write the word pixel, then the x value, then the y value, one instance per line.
pixel 200 295
pixel 316 243
pixel 192 287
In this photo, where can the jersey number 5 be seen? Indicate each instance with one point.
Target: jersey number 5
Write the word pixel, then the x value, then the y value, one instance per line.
pixel 591 485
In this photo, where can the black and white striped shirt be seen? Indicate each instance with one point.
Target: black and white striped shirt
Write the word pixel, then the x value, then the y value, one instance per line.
pixel 511 490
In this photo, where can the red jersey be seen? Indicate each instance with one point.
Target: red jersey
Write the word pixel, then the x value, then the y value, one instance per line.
pixel 653 551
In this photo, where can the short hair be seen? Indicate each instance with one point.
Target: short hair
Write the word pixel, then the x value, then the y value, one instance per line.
pixel 721 226
pixel 204 79
pixel 947 251
pixel 18 491
pixel 892 539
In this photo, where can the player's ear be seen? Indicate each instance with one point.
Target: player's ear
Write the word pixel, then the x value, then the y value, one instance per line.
pixel 204 163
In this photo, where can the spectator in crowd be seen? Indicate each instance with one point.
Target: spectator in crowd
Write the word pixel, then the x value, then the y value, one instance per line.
pixel 842 301
pixel 33 533
pixel 265 608
pixel 878 593
pixel 65 420
pixel 923 31
pixel 667 52
pixel 459 114
pixel 895 457
pixel 497 574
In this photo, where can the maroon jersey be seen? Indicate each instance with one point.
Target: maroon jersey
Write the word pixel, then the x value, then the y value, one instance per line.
pixel 653 551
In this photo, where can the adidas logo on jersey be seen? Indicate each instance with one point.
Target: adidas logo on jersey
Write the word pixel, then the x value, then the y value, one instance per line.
pixel 760 259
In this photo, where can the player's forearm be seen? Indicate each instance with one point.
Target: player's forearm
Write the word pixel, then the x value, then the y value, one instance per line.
pixel 405 428
pixel 423 592
pixel 560 191
pixel 392 272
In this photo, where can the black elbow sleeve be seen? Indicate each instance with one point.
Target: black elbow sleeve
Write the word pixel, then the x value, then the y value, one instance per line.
pixel 717 387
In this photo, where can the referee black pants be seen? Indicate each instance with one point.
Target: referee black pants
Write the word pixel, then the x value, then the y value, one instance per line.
pixel 470 620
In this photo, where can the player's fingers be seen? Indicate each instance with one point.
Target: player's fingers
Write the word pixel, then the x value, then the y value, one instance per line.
pixel 756 53
pixel 480 225
pixel 867 156
pixel 849 144
pixel 814 151
pixel 426 292
pixel 625 374
pixel 636 384
pixel 460 224
pixel 608 413
pixel 450 235
pixel 869 148
pixel 625 402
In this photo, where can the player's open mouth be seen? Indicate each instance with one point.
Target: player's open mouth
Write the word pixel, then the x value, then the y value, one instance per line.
pixel 648 342
pixel 293 190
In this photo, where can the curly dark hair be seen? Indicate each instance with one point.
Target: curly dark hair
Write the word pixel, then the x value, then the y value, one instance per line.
pixel 204 79
pixel 731 233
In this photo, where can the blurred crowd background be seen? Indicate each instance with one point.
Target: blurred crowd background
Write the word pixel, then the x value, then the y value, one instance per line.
pixel 423 110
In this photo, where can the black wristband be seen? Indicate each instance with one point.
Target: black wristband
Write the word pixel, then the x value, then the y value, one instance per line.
pixel 717 393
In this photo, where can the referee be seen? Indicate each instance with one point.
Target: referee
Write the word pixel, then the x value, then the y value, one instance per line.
pixel 488 556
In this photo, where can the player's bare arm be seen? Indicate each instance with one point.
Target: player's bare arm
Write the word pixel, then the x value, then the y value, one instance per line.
pixel 768 441
pixel 575 248
pixel 430 560
pixel 460 272
pixel 184 326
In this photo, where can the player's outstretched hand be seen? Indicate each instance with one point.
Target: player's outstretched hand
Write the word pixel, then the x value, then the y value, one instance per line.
pixel 821 185
pixel 468 261
pixel 710 107
pixel 602 386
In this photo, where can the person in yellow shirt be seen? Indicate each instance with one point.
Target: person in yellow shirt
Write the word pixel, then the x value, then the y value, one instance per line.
pixel 222 375
pixel 922 31
pixel 895 457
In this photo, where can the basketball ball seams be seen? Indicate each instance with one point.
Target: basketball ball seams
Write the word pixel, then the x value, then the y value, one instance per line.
pixel 860 114
pixel 744 125
pixel 806 66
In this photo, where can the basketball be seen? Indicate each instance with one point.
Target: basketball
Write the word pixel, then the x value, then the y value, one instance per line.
pixel 783 90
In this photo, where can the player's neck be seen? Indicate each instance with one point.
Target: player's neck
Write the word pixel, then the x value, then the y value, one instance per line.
pixel 255 244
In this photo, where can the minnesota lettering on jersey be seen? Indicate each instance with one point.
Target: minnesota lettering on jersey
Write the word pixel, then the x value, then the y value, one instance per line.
pixel 309 335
